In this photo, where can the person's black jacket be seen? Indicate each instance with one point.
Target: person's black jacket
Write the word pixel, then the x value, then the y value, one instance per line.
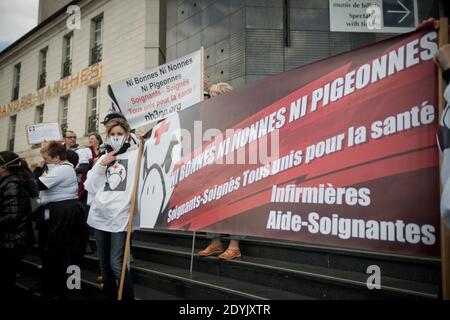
pixel 15 212
pixel 72 157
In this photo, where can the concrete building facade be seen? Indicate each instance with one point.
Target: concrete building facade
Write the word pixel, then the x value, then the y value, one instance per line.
pixel 247 40
pixel 58 72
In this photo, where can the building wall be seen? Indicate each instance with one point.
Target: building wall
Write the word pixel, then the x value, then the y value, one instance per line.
pixel 244 40
pixel 130 44
pixel 49 7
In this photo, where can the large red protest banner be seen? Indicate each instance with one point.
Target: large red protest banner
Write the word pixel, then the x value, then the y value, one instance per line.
pixel 353 159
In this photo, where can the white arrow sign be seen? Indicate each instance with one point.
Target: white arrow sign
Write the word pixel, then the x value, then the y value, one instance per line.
pixel 406 12
pixel 385 16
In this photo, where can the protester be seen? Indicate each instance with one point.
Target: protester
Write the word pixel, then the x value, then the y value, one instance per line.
pixel 95 141
pixel 134 140
pixel 91 154
pixel 109 185
pixel 84 154
pixel 38 215
pixel 206 86
pixel 215 247
pixel 442 59
pixel 220 88
pixel 115 115
pixel 17 187
pixel 63 216
pixel 70 141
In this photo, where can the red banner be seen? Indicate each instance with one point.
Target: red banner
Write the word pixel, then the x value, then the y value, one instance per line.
pixel 341 152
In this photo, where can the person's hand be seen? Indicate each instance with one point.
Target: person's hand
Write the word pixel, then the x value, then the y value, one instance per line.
pixel 109 157
pixel 428 22
pixel 442 57
pixel 139 134
pixel 41 164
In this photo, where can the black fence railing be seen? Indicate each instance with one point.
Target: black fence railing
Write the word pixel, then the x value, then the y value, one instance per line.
pixel 15 95
pixel 92 124
pixel 96 54
pixel 64 127
pixel 42 79
pixel 11 144
pixel 67 68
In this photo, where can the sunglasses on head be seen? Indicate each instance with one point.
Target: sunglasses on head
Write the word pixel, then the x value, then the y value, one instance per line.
pixel 8 164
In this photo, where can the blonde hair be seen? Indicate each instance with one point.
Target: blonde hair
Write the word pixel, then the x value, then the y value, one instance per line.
pixel 220 88
pixel 117 122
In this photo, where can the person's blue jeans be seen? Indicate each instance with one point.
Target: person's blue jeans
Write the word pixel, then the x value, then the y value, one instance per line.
pixel 110 251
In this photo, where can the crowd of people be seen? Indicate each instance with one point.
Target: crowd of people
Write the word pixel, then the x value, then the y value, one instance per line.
pixel 71 190
pixel 90 187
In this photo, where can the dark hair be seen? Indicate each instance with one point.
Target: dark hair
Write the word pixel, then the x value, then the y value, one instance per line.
pixel 112 116
pixel 54 148
pixel 65 133
pixel 15 165
pixel 97 136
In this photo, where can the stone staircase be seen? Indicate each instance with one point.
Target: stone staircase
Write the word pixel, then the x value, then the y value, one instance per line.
pixel 268 269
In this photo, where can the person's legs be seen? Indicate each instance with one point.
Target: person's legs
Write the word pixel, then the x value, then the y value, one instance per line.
pixel 233 251
pixel 214 248
pixel 103 244
pixel 118 240
pixel 43 251
pixel 54 256
pixel 89 248
pixel 63 261
pixel 215 238
pixel 234 244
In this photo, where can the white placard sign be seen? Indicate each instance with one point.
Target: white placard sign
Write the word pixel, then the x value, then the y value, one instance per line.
pixel 160 92
pixel 385 16
pixel 41 132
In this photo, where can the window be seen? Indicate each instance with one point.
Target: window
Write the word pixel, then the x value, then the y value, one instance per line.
pixel 42 68
pixel 63 111
pixel 93 110
pixel 67 55
pixel 97 35
pixel 39 115
pixel 12 132
pixel 38 118
pixel 16 82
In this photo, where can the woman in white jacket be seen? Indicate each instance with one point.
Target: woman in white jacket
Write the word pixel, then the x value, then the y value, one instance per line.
pixel 109 185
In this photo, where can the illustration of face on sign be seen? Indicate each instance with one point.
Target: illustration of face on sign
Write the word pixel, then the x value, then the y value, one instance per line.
pixel 116 176
pixel 161 152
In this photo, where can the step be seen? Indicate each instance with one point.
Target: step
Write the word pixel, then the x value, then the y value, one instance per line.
pixel 419 269
pixel 90 289
pixel 319 282
pixel 31 272
pixel 198 285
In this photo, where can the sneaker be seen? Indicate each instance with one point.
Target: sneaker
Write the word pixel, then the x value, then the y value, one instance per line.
pixel 230 253
pixel 210 251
